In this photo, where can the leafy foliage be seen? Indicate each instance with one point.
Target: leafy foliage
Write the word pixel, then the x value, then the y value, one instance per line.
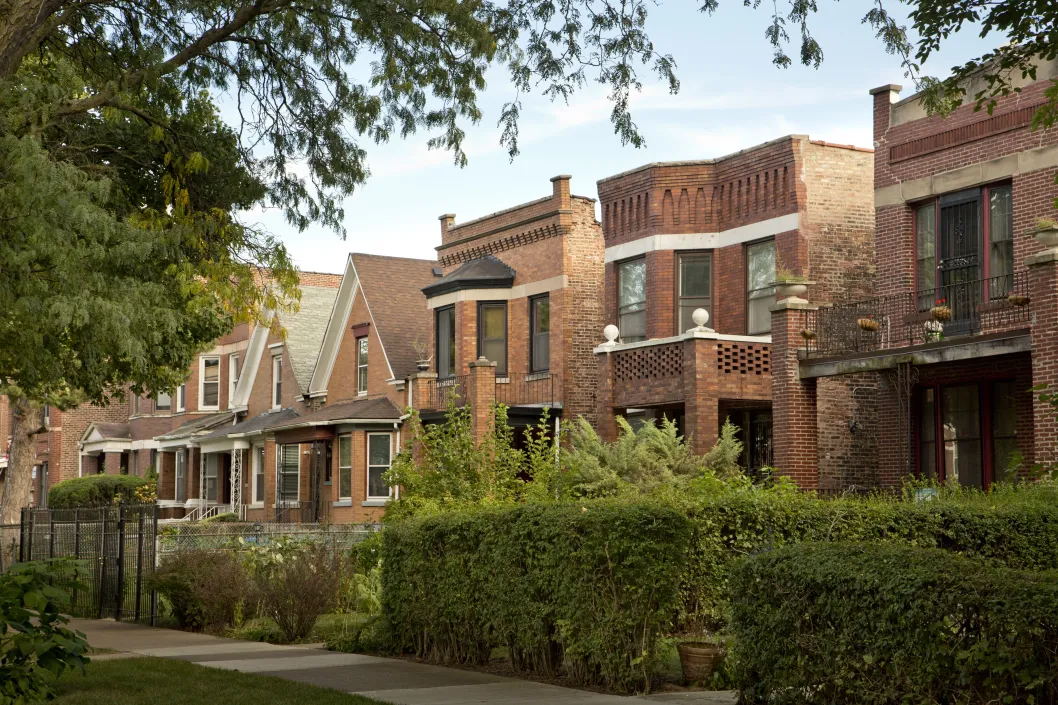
pixel 869 623
pixel 35 645
pixel 205 589
pixel 592 587
pixel 97 491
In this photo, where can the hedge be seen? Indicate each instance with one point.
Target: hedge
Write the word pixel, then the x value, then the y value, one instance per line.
pixel 1020 531
pixel 880 624
pixel 94 491
pixel 593 586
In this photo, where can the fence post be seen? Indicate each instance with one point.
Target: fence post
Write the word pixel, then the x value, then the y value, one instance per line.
pixel 76 548
pixel 22 537
pixel 154 564
pixel 51 534
pixel 139 563
pixel 121 564
pixel 102 563
pixel 29 549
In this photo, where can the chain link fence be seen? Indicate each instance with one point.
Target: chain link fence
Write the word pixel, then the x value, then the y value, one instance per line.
pixel 180 536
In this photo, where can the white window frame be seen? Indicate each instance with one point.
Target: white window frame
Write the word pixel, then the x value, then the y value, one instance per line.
pixel 181 397
pixel 361 364
pixel 180 478
pixel 277 381
pixel 233 377
pixel 279 464
pixel 347 437
pixel 367 461
pixel 211 472
pixel 202 382
pixel 257 470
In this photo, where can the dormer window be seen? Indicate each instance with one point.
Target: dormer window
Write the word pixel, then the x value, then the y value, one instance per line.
pixel 361 365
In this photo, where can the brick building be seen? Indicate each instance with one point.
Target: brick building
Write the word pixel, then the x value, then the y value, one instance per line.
pixel 711 234
pixel 965 317
pixel 514 312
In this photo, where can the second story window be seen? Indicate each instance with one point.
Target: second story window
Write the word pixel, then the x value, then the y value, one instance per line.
pixel 1001 239
pixel 446 342
pixel 926 250
pixel 181 398
pixel 277 381
pixel 696 286
pixel 632 300
pixel 760 295
pixel 540 334
pixel 209 383
pixel 233 377
pixel 361 365
pixel 492 335
pixel 180 491
pixel 164 402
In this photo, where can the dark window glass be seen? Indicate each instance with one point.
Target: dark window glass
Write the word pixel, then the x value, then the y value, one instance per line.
pixel 632 300
pixel 258 471
pixel 926 251
pixel 446 342
pixel 961 421
pixel 287 477
pixel 361 364
pixel 492 335
pixel 1004 430
pixel 210 382
pixel 378 462
pixel 927 434
pixel 540 334
pixel 696 285
pixel 1001 241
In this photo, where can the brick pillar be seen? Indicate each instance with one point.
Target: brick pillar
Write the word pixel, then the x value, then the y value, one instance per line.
pixel 113 463
pixel 193 462
pixel 481 395
pixel 794 428
pixel 1043 289
pixel 166 475
pixel 701 407
pixel 419 389
pixel 606 423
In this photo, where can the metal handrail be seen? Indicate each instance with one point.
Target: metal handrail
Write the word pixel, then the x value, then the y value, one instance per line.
pixel 526 389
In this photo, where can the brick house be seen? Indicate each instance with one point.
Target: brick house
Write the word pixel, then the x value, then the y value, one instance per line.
pixel 514 312
pixel 709 234
pixel 964 320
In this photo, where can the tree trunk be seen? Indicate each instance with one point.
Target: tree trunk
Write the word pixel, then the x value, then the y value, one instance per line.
pixel 23 24
pixel 27 419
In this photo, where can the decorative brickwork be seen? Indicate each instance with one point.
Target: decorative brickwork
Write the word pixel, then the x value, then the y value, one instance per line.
pixel 743 359
pixel 649 363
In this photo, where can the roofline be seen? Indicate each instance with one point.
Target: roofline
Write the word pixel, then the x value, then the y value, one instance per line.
pixel 374 325
pixel 435 290
pixel 335 422
pixel 332 336
pixel 505 211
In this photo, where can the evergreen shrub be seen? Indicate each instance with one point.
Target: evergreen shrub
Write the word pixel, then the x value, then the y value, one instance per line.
pixel 95 491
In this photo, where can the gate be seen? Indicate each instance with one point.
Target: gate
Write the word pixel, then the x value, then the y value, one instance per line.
pixel 117 547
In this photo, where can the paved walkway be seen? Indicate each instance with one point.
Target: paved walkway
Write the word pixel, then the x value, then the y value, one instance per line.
pixel 389 680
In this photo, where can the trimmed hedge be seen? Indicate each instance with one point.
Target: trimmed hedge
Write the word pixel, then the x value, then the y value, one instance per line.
pixel 94 491
pixel 1019 530
pixel 593 586
pixel 881 624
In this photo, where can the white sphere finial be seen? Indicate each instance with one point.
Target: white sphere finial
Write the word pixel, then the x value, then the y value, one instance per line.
pixel 611 332
pixel 700 317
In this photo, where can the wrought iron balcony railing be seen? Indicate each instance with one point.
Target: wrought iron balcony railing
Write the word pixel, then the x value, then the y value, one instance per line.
pixel 976 307
pixel 445 392
pixel 520 389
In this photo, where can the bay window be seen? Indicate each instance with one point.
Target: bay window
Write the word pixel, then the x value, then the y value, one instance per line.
pixel 632 300
pixel 446 342
pixel 379 452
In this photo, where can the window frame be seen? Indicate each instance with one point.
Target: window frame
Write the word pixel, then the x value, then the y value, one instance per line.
pixel 345 472
pixel 180 475
pixel 211 473
pixel 168 404
pixel 534 367
pixel 233 377
pixel 202 360
pixel 761 291
pixel 277 381
pixel 367 461
pixel 482 306
pixel 181 397
pixel 279 467
pixel 363 346
pixel 257 473
pixel 618 269
pixel 454 366
pixel 678 279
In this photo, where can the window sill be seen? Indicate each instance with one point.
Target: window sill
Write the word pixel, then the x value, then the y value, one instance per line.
pixel 361 394
pixel 375 502
pixel 255 505
pixel 209 408
pixel 538 375
pixel 343 503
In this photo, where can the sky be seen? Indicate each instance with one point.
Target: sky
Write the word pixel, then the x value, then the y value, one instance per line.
pixel 732 97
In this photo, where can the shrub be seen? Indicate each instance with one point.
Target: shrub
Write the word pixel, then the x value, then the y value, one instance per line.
pixel 294 582
pixel 594 586
pixel 223 518
pixel 862 623
pixel 35 645
pixel 207 589
pixel 95 491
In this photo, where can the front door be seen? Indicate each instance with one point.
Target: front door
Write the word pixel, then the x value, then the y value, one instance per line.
pixel 319 481
pixel 959 263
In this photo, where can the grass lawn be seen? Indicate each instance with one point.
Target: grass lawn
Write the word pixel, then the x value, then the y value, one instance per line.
pixel 149 681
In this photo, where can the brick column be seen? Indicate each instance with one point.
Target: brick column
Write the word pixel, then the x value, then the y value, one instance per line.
pixel 701 407
pixel 419 389
pixel 794 428
pixel 1043 289
pixel 166 475
pixel 481 395
pixel 192 473
pixel 113 463
pixel 606 424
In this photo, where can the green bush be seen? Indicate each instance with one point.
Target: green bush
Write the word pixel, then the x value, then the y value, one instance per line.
pixel 294 582
pixel 593 586
pixel 880 624
pixel 95 491
pixel 206 589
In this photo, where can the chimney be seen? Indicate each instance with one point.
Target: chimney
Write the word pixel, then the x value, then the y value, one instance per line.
pixel 447 221
pixel 560 191
pixel 884 97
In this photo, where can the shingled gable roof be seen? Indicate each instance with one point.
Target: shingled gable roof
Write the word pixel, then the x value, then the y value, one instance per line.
pixel 257 424
pixel 482 273
pixel 373 409
pixel 305 328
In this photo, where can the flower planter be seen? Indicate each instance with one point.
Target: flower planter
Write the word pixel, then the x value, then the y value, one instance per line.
pixel 422 365
pixel 1019 300
pixel 1048 237
pixel 698 659
pixel 788 289
pixel 868 324
pixel 940 313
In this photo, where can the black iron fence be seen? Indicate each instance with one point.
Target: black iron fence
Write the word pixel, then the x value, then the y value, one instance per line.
pixel 304 512
pixel 450 391
pixel 520 389
pixel 974 307
pixel 117 547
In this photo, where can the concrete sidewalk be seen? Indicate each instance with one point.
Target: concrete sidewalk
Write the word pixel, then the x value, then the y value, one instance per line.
pixel 389 680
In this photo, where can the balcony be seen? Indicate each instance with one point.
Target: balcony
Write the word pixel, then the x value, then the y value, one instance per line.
pixel 516 389
pixel 974 308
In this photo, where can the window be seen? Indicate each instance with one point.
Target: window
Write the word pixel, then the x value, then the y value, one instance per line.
pixel 446 342
pixel 287 472
pixel 345 467
pixel 154 461
pixel 209 383
pixel 46 411
pixel 181 476
pixel 540 334
pixel 926 253
pixel 1004 430
pixel 378 462
pixel 696 286
pixel 43 476
pixel 233 377
pixel 258 474
pixel 1000 241
pixel 212 460
pixel 361 365
pixel 760 273
pixel 492 335
pixel 632 300
pixel 181 397
pixel 164 402
pixel 277 381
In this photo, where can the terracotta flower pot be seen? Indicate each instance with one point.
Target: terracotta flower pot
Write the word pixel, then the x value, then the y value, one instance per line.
pixel 699 659
pixel 940 313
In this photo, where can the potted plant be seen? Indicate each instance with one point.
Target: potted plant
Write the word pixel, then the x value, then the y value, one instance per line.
pixel 934 331
pixel 423 360
pixel 1019 300
pixel 808 334
pixel 941 312
pixel 787 283
pixel 698 659
pixel 1047 232
pixel 868 324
